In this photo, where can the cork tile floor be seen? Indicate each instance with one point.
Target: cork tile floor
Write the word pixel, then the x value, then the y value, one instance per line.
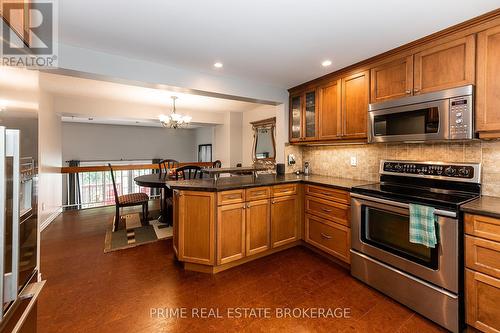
pixel 140 290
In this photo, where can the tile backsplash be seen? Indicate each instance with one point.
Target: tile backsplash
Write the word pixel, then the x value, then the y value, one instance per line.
pixel 336 160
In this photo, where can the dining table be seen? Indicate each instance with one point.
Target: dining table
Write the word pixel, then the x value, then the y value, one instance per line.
pixel 159 181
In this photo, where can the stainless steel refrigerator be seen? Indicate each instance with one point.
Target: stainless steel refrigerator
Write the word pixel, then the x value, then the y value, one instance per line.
pixel 19 286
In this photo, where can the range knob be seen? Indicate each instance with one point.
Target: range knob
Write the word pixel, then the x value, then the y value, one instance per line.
pixel 449 171
pixel 463 172
pixel 398 167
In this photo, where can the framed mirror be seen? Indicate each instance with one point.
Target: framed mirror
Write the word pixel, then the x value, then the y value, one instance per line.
pixel 264 142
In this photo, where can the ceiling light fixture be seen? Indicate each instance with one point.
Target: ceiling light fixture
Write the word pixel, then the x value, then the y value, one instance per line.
pixel 326 63
pixel 174 120
pixel 218 65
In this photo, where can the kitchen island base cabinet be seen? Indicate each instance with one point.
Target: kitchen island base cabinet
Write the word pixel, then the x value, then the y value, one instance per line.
pixel 195 214
pixel 284 220
pixel 230 233
pixel 258 226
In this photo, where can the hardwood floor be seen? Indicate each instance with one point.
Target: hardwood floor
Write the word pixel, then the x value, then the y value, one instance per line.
pixel 89 291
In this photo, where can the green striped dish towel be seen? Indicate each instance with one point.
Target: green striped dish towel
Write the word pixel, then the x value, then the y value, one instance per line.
pixel 423 225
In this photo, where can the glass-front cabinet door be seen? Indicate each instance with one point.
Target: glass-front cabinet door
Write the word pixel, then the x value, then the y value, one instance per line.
pixel 310 115
pixel 296 118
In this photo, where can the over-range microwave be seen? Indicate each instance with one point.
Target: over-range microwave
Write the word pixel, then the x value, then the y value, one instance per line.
pixel 442 115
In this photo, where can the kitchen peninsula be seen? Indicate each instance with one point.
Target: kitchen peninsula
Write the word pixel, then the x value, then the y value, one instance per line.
pixel 219 225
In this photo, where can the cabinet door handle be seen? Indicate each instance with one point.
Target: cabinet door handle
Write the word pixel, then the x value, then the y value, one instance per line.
pixel 416 90
pixel 326 210
pixel 408 92
pixel 248 205
pixel 273 202
pixel 325 236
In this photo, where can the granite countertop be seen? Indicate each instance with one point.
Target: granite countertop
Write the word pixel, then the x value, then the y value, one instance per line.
pixel 238 182
pixel 483 205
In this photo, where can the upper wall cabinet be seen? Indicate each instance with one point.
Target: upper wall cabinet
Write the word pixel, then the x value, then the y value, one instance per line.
pixel 355 92
pixel 467 54
pixel 488 83
pixel 330 119
pixel 303 116
pixel 295 117
pixel 445 66
pixel 391 80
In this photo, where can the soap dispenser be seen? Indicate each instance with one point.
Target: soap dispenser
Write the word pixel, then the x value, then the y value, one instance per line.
pixel 306 169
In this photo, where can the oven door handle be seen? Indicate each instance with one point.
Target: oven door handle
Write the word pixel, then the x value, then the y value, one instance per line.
pixel 440 212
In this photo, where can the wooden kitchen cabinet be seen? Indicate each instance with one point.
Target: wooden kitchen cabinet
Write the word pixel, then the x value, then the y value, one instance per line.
pixel 284 220
pixel 330 116
pixel 333 238
pixel 196 224
pixel 481 297
pixel 303 116
pixel 446 65
pixel 258 226
pixel 482 273
pixel 230 232
pixel 392 80
pixel 488 84
pixel 296 117
pixel 355 92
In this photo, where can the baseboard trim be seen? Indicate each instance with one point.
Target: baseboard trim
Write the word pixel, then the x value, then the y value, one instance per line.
pixel 50 219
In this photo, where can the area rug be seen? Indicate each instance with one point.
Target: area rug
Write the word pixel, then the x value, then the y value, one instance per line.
pixel 135 234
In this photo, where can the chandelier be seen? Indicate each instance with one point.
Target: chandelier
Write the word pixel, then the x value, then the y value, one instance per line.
pixel 174 120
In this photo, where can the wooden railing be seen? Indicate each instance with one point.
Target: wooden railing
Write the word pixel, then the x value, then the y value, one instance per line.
pixel 118 167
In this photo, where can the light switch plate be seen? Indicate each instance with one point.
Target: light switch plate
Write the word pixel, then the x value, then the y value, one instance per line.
pixel 354 161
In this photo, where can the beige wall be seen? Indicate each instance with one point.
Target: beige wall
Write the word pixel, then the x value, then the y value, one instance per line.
pixel 335 160
pixel 50 161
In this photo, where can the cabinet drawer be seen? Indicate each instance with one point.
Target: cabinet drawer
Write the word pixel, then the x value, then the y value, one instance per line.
pixel 329 210
pixel 230 197
pixel 328 193
pixel 258 193
pixel 284 190
pixel 332 238
pixel 482 226
pixel 482 293
pixel 482 255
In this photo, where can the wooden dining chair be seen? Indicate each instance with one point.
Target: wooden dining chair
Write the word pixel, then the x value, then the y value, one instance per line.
pixel 188 172
pixel 165 165
pixel 128 200
pixel 217 164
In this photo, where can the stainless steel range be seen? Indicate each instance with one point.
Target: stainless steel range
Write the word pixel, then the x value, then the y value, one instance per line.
pixel 428 280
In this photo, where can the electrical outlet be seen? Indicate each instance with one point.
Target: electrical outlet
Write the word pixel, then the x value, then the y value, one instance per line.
pixel 43 205
pixel 354 161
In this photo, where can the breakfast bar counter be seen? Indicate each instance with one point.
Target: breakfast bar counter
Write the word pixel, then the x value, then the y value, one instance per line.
pixel 242 182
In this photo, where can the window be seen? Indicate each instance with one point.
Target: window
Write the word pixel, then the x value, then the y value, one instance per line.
pixel 205 153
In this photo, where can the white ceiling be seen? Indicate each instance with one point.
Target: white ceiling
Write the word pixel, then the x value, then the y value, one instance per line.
pixel 281 42
pixel 63 85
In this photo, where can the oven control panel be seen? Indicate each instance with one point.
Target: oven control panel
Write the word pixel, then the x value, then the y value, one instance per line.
pixel 429 169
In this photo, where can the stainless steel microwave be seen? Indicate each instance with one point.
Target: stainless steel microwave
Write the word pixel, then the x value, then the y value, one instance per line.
pixel 442 115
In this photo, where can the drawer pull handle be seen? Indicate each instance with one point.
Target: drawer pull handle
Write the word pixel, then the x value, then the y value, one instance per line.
pixel 259 193
pixel 325 236
pixel 233 197
pixel 326 210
